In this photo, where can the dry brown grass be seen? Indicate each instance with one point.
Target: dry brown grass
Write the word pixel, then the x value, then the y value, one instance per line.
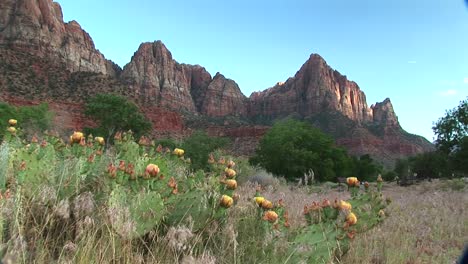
pixel 425 224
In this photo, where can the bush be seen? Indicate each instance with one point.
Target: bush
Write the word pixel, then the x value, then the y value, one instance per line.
pixel 30 118
pixel 198 147
pixel 115 113
pixel 292 148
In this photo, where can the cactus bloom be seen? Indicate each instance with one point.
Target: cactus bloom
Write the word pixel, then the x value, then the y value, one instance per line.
pixel 12 130
pixel 352 181
pixel 179 152
pixel 351 219
pixel 152 170
pixel 381 213
pixel 379 178
pixel 226 201
pixel 76 137
pixel 343 205
pixel 230 173
pixel 99 140
pixel 270 216
pixel 231 184
pixel 12 122
pixel 230 164
pixel 259 200
pixel 266 204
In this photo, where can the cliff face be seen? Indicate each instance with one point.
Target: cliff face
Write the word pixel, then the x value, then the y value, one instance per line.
pixel 315 88
pixel 37 26
pixel 44 59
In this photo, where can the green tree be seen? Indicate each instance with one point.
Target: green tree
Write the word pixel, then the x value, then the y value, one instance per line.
pixel 366 169
pixel 460 157
pixel 198 146
pixel 452 128
pixel 115 113
pixel 291 148
pixel 430 165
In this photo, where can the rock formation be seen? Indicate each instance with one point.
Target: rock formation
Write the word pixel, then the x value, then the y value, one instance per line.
pixel 44 59
pixel 37 26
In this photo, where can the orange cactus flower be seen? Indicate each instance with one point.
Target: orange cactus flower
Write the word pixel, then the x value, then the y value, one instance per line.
pixel 270 216
pixel 226 201
pixel 315 206
pixel 172 183
pixel 231 184
pixel 230 173
pixel 152 170
pixel 122 165
pixel 325 203
pixel 34 139
pixel 351 219
pixel 236 197
pixel 91 158
pixel 366 185
pixel 221 160
pixel 230 164
pixel 352 181
pixel 159 149
pixel 76 137
pixel 267 205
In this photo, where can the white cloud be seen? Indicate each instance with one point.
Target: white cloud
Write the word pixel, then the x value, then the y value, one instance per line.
pixel 412 62
pixel 465 80
pixel 449 92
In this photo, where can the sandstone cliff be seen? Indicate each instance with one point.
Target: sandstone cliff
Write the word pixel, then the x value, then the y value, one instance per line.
pixel 44 59
pixel 37 26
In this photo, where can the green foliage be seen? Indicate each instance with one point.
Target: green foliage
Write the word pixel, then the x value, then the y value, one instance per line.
pixel 167 142
pixel 365 168
pixel 389 176
pixel 452 128
pixel 430 165
pixel 291 148
pixel 115 113
pixel 198 146
pixel 30 118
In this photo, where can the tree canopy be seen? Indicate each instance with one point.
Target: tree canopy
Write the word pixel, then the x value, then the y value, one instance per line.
pixel 291 148
pixel 115 113
pixel 452 128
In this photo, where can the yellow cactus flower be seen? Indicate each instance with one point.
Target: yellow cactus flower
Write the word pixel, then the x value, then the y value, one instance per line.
pixel 352 181
pixel 12 122
pixel 179 152
pixel 259 200
pixel 230 173
pixel 270 216
pixel 230 164
pixel 99 140
pixel 266 204
pixel 226 201
pixel 343 205
pixel 231 184
pixel 12 130
pixel 152 170
pixel 351 219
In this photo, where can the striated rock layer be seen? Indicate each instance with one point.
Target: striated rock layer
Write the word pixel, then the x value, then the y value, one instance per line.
pixel 42 58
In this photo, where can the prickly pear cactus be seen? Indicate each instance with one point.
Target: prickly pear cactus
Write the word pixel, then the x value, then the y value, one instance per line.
pixel 134 215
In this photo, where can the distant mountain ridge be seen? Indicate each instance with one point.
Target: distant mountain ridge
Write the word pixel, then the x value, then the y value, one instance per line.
pixel 42 58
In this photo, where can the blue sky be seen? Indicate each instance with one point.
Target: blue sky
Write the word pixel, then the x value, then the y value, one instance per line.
pixel 413 51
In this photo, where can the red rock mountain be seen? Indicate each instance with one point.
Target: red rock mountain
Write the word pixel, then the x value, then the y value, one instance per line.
pixel 42 58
